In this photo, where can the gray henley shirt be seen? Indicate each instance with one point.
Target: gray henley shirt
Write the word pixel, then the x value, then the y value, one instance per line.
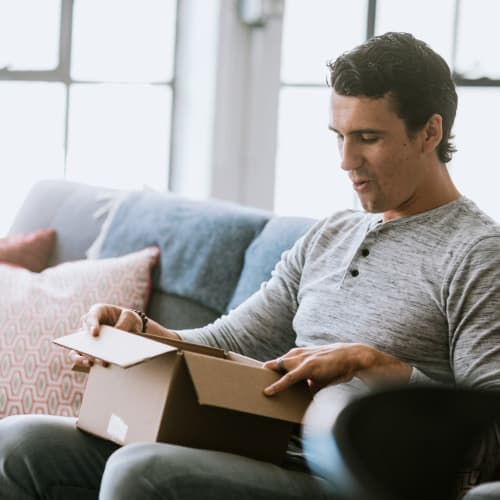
pixel 424 289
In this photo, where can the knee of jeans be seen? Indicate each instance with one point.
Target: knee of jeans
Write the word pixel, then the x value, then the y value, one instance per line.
pixel 133 471
pixel 22 442
pixel 138 457
pixel 16 436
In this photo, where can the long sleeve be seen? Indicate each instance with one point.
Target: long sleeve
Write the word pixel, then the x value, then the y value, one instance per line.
pixel 473 306
pixel 262 326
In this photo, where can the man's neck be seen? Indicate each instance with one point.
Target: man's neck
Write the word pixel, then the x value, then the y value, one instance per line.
pixel 436 190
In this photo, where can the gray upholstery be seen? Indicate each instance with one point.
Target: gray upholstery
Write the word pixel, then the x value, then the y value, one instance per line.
pixel 202 243
pixel 77 212
pixel 279 234
pixel 179 312
pixel 70 209
pixel 228 253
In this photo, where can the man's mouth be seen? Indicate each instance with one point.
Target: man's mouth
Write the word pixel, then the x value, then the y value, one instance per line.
pixel 360 185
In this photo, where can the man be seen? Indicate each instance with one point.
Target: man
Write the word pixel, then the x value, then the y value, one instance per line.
pixel 407 291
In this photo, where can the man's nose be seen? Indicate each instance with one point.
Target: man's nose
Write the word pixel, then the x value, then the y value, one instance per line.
pixel 350 156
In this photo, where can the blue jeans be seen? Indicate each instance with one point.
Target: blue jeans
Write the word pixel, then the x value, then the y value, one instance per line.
pixel 43 457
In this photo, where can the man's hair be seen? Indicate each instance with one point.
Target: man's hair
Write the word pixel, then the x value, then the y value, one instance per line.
pixel 416 78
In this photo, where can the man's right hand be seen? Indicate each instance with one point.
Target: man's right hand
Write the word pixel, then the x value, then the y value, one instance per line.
pixel 119 317
pixel 105 314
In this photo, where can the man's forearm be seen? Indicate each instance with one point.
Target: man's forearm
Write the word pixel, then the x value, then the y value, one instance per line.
pixel 154 328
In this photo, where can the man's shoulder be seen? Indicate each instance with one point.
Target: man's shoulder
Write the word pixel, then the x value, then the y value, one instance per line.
pixel 462 230
pixel 466 219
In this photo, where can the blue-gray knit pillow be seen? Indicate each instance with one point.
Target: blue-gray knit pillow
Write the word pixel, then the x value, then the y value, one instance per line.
pixel 279 234
pixel 202 243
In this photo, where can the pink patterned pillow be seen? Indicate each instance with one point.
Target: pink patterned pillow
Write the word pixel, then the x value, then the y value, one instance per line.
pixel 35 375
pixel 31 251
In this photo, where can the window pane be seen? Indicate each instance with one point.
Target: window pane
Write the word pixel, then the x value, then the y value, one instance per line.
pixel 32 132
pixel 309 180
pixel 317 31
pixel 477 49
pixel 474 168
pixel 413 17
pixel 123 40
pixel 119 135
pixel 29 34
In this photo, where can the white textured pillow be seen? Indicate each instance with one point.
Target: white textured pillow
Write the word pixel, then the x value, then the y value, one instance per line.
pixel 35 375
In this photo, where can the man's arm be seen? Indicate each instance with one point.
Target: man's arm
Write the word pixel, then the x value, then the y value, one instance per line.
pixel 473 309
pixel 473 313
pixel 262 327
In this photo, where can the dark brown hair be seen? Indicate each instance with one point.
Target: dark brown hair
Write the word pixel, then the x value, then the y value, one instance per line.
pixel 416 78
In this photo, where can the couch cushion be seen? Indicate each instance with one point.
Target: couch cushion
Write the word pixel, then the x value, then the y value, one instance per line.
pixel 202 242
pixel 74 210
pixel 31 251
pixel 35 375
pixel 279 234
pixel 179 313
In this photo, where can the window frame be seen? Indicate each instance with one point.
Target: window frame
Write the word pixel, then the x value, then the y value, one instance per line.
pixel 62 74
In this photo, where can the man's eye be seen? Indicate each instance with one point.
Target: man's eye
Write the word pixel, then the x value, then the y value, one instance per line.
pixel 369 139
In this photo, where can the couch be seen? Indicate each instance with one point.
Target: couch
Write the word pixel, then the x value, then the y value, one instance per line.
pixel 212 255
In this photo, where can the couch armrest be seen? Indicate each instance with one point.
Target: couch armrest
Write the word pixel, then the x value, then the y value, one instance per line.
pixel 486 491
pixel 405 442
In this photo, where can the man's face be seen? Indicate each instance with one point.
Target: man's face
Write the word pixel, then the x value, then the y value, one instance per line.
pixel 385 165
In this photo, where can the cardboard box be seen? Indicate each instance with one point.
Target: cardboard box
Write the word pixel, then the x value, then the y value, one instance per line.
pixel 157 389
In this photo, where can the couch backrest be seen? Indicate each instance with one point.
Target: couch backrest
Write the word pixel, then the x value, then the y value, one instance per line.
pixel 214 254
pixel 76 211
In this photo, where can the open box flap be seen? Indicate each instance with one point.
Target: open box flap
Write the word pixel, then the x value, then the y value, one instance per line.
pixel 238 386
pixel 182 345
pixel 114 346
pixel 232 356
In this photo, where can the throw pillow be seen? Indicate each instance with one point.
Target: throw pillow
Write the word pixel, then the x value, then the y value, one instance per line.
pixel 31 251
pixel 36 375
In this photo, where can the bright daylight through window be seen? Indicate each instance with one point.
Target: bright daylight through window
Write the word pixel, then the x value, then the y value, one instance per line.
pixel 307 161
pixel 97 113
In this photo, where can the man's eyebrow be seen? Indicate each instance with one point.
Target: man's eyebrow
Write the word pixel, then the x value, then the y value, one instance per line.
pixel 358 131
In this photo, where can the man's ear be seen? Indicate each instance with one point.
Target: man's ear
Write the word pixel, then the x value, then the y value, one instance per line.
pixel 433 133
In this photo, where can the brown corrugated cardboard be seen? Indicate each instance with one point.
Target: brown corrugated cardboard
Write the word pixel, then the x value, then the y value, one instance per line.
pixel 114 347
pixel 186 394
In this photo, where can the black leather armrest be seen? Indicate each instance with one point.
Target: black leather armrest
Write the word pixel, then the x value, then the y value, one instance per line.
pixel 402 443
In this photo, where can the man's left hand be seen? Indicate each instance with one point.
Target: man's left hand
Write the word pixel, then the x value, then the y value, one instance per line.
pixel 335 364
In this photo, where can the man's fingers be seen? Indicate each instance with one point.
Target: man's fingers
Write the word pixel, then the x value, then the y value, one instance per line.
pixel 284 363
pixel 84 361
pixel 76 357
pixel 285 381
pixel 79 362
pixel 91 323
pixel 93 327
pixel 272 364
pixel 129 321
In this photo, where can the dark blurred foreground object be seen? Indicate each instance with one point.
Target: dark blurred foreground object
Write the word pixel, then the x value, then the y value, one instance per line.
pixel 397 444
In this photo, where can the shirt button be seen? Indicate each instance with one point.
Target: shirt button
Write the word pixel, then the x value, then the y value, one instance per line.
pixel 354 273
pixel 365 252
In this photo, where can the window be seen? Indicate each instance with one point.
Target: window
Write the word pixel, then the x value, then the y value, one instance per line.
pixel 306 161
pixel 85 92
pixel 308 181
